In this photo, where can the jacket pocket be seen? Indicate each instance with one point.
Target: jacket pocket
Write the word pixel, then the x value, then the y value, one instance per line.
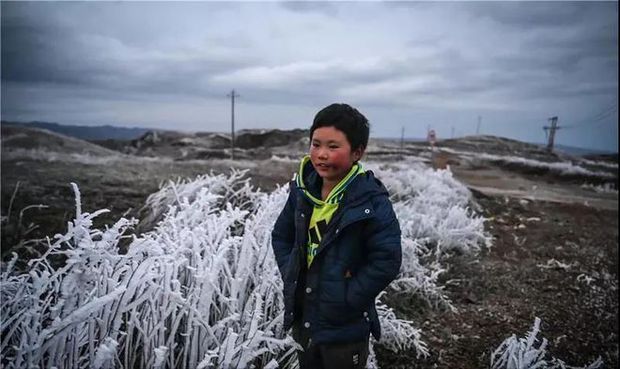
pixel 335 311
pixel 338 314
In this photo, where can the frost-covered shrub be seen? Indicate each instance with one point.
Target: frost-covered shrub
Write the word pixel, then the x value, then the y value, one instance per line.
pixel 530 352
pixel 188 294
pixel 233 188
pixel 435 219
pixel 199 290
pixel 433 207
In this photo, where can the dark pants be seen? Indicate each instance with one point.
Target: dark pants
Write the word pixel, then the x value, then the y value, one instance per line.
pixel 331 355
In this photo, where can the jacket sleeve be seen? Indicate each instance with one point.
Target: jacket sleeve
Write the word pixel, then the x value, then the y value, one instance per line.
pixel 283 234
pixel 384 255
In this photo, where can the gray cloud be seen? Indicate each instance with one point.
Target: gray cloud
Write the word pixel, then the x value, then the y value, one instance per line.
pixel 129 61
pixel 50 52
pixel 525 14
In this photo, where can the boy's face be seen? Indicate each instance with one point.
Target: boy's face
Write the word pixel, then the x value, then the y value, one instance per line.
pixel 331 154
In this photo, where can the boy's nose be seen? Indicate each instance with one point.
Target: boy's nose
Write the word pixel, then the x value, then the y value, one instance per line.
pixel 322 154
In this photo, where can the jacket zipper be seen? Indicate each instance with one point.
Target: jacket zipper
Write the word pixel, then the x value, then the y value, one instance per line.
pixel 332 235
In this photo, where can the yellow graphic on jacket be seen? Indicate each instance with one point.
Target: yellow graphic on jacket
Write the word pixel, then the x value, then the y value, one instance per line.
pixel 323 209
pixel 317 227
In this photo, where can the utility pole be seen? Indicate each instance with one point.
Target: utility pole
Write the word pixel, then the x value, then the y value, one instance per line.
pixel 478 126
pixel 232 96
pixel 402 140
pixel 554 127
pixel 452 132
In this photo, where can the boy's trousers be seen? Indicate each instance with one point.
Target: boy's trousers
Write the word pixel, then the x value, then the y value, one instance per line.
pixel 332 355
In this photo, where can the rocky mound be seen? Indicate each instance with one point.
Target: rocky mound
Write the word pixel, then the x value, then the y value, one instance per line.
pixel 250 139
pixel 21 138
pixel 500 146
pixel 249 144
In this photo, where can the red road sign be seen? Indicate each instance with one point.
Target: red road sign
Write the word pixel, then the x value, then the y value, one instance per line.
pixel 431 136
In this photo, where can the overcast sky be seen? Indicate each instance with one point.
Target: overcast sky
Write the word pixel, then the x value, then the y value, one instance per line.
pixel 170 65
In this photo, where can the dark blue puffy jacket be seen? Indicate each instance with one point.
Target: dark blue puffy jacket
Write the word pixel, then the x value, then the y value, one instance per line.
pixel 359 255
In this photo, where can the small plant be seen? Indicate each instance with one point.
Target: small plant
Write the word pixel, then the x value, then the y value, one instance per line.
pixel 530 352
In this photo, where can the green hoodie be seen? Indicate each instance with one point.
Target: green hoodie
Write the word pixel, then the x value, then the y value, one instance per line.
pixel 323 209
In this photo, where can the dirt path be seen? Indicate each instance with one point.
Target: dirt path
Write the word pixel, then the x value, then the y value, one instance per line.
pixel 498 182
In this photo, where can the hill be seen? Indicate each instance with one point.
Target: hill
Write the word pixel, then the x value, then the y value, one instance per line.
pixel 21 138
pixel 87 132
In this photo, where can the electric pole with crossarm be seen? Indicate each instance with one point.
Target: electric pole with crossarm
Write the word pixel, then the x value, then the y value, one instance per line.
pixel 232 96
pixel 554 127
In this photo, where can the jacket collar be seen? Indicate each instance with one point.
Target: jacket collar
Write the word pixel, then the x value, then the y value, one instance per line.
pixel 363 186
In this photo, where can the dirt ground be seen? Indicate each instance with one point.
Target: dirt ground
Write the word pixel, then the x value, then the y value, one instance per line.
pixel 121 187
pixel 554 256
pixel 503 290
pixel 545 250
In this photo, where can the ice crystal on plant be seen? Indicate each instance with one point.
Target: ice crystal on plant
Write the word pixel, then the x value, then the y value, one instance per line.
pixel 530 352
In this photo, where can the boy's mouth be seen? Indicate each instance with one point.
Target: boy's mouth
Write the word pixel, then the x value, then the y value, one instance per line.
pixel 322 166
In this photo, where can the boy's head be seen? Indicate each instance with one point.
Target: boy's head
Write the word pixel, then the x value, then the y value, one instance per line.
pixel 338 138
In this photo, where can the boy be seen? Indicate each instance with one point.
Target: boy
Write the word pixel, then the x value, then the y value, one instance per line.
pixel 337 245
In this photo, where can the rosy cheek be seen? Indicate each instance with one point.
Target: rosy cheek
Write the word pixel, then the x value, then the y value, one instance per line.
pixel 314 153
pixel 339 160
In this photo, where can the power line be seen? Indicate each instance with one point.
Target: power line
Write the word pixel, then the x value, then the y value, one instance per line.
pixel 610 108
pixel 600 116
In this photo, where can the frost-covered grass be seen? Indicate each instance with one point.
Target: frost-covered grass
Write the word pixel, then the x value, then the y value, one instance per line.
pixel 599 163
pixel 564 168
pixel 54 156
pixel 284 159
pixel 202 289
pixel 435 219
pixel 530 352
pixel 602 188
pixel 97 159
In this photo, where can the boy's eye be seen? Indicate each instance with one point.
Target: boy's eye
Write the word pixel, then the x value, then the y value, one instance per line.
pixel 333 147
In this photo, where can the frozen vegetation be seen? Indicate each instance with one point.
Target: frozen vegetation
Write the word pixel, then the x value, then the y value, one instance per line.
pixel 564 168
pixel 111 158
pixel 530 352
pixel 201 288
pixel 602 188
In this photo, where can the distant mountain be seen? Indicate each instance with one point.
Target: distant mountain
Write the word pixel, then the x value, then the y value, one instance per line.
pixel 22 139
pixel 581 151
pixel 88 132
pixel 572 150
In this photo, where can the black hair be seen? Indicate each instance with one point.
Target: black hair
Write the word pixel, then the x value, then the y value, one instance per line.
pixel 347 119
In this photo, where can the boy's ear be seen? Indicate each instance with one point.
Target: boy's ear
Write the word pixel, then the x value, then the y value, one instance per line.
pixel 358 153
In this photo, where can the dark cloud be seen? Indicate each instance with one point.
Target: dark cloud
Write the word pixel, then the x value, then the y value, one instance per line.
pixel 38 50
pixel 394 55
pixel 525 14
pixel 595 41
pixel 34 53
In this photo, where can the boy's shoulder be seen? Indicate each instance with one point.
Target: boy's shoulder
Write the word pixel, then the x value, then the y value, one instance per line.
pixel 367 184
pixel 368 190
